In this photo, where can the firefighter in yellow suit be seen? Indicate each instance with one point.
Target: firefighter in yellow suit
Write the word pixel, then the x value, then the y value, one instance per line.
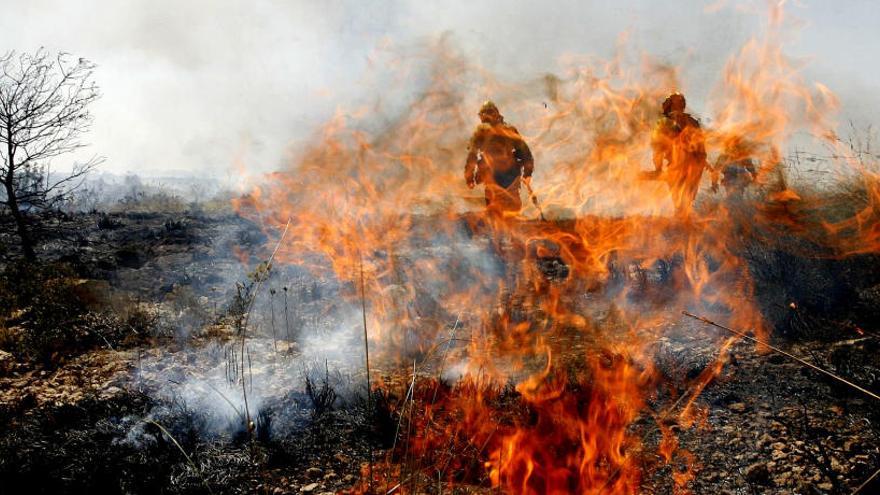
pixel 499 158
pixel 679 146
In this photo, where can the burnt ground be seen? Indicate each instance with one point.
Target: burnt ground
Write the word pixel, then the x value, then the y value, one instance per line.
pixel 93 421
pixel 770 425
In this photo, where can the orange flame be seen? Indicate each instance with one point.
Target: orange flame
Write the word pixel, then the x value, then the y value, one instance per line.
pixel 390 196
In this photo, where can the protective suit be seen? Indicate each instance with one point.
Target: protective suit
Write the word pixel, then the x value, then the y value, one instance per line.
pixel 736 167
pixel 679 147
pixel 499 158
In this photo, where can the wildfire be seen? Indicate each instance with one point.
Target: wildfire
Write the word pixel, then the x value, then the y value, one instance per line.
pixel 366 198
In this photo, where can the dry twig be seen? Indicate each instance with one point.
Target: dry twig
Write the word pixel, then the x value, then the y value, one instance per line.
pixel 786 354
pixel 188 458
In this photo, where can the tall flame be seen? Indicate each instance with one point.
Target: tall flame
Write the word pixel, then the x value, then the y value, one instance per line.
pixel 391 196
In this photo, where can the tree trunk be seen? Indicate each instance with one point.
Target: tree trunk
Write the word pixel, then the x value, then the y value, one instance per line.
pixel 27 242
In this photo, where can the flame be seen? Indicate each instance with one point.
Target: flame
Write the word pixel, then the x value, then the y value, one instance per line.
pixel 586 423
pixel 383 196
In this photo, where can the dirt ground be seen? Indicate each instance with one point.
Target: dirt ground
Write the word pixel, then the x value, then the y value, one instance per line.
pixel 166 415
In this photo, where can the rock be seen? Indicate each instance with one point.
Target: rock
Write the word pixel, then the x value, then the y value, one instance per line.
pixel 314 472
pixel 311 487
pixel 783 478
pixel 7 363
pixel 737 407
pixel 758 473
pixel 110 392
pixel 852 445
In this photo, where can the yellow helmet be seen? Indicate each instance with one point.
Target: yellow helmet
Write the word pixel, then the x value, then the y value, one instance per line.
pixel 489 113
pixel 489 106
pixel 674 102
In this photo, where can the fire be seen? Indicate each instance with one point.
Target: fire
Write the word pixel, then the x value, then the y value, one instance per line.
pixel 366 198
pixel 586 425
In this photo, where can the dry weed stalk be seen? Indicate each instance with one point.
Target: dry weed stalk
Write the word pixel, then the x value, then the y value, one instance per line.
pixel 265 267
pixel 367 358
pixel 286 316
pixel 786 354
pixel 188 458
pixel 803 362
pixel 272 318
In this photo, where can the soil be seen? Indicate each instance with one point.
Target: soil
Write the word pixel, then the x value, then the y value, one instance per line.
pixel 165 415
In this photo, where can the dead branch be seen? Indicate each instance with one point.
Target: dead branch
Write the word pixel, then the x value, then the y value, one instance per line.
pixel 786 354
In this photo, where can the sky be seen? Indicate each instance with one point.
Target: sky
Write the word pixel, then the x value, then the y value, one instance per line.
pixel 201 87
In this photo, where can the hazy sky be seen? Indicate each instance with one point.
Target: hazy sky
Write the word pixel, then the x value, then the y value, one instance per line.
pixel 198 85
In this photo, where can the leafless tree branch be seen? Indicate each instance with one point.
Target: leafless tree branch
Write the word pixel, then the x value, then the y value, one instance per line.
pixel 44 110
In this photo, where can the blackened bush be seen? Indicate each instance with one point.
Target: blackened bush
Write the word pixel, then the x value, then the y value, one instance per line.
pixel 264 426
pixel 109 222
pixel 41 301
pixel 142 324
pixel 322 395
pixel 42 306
pixel 22 282
pixel 172 225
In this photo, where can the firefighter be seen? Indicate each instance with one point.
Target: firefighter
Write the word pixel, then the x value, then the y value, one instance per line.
pixel 499 158
pixel 679 145
pixel 736 166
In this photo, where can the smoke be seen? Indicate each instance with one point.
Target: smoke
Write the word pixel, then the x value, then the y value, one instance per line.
pixel 201 86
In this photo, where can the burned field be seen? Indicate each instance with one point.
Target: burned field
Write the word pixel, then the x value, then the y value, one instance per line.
pixel 153 401
pixel 625 292
pixel 133 397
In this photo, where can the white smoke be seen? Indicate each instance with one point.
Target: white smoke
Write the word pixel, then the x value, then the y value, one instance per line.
pixel 207 86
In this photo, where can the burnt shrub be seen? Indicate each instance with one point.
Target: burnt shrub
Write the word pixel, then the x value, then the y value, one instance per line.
pixel 109 222
pixel 190 313
pixel 46 315
pixel 40 301
pixel 812 296
pixel 117 446
pixel 131 256
pixel 805 293
pixel 321 394
pixel 814 280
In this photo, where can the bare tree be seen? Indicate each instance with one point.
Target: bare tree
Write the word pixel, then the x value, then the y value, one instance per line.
pixel 44 109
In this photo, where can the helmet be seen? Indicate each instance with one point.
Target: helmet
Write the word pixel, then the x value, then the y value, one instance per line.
pixel 674 102
pixel 489 106
pixel 489 113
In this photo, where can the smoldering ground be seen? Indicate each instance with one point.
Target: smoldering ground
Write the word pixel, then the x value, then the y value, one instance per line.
pixel 434 283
